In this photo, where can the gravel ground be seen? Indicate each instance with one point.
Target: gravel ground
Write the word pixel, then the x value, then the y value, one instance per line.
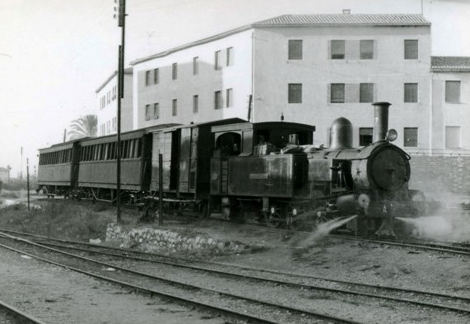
pixel 59 296
pixel 55 295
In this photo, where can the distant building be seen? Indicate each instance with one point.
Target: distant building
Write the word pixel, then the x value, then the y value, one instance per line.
pixel 5 174
pixel 451 104
pixel 306 68
pixel 107 104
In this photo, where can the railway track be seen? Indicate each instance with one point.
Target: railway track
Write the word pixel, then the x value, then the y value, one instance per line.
pixel 289 281
pixel 220 301
pixel 12 315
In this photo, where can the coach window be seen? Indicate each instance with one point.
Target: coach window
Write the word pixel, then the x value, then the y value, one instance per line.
pixel 131 149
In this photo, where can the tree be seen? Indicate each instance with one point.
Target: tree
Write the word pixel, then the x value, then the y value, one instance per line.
pixel 85 126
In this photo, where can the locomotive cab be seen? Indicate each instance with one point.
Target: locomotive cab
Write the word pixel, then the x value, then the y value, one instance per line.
pixel 249 166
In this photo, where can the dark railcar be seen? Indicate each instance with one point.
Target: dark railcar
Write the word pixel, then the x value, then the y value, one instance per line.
pixel 59 168
pixel 186 152
pixel 98 169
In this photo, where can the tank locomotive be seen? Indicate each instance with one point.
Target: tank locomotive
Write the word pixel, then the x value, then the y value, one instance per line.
pixel 301 184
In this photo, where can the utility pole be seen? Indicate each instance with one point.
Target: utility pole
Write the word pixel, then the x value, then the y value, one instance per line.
pixel 27 179
pixel 120 14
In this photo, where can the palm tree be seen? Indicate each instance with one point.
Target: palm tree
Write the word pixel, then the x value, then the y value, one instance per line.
pixel 85 126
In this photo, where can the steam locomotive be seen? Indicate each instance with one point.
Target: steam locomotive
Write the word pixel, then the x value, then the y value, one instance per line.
pixel 270 171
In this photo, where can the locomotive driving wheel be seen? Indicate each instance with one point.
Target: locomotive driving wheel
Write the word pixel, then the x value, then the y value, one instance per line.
pixel 275 217
pixel 296 212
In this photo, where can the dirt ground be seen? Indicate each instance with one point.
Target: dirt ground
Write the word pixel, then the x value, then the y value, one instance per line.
pixel 56 295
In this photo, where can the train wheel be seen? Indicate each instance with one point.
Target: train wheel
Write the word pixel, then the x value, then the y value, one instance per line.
pixel 276 217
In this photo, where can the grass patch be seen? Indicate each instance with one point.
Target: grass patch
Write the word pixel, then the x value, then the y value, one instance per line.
pixel 62 219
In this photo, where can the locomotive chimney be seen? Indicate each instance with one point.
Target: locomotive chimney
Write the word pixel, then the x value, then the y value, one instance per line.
pixel 380 120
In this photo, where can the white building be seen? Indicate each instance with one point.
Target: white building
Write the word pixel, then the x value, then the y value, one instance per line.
pixel 107 105
pixel 451 104
pixel 306 68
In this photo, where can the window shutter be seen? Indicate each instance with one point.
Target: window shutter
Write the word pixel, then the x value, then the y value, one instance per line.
pixel 452 137
pixel 295 49
pixel 367 49
pixel 337 49
pixel 337 93
pixel 366 92
pixel 453 91
pixel 411 49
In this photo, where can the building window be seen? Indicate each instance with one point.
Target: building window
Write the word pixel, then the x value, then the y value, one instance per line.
pixel 156 110
pixel 229 97
pixel 147 112
pixel 195 104
pixel 366 92
pixel 218 60
pixel 294 93
pixel 295 49
pixel 411 49
pixel 411 92
pixel 195 65
pixel 217 99
pixel 365 136
pixel 337 93
pixel 147 78
pixel 156 76
pixel 453 91
pixel 452 137
pixel 410 137
pixel 366 49
pixel 337 49
pixel 174 71
pixel 114 124
pixel 174 107
pixel 230 56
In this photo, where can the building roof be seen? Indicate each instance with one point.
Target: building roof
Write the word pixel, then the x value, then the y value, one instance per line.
pixel 307 21
pixel 2 169
pixel 126 71
pixel 450 64
pixel 344 20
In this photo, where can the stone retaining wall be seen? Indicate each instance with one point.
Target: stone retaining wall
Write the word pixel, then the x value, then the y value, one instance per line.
pixel 158 240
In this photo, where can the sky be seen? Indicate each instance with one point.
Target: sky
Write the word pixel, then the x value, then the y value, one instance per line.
pixel 54 54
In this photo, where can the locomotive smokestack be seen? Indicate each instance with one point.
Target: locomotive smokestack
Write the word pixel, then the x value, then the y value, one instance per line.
pixel 380 120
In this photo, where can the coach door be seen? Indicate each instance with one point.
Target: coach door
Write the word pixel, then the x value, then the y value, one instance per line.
pixel 188 159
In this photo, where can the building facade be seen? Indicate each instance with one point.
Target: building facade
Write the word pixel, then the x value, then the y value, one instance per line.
pixel 303 68
pixel 451 104
pixel 107 105
pixel 5 174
